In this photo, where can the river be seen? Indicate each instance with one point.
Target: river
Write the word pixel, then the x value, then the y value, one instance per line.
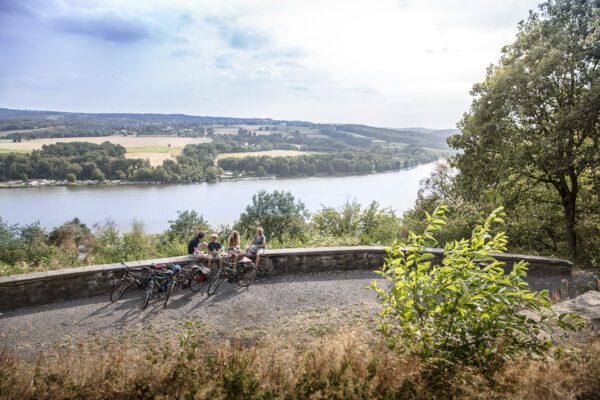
pixel 220 203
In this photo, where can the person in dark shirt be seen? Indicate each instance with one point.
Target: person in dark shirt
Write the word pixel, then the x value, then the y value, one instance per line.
pixel 214 250
pixel 196 245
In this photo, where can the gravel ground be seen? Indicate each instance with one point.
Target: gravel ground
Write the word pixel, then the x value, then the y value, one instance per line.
pixel 311 304
pixel 323 296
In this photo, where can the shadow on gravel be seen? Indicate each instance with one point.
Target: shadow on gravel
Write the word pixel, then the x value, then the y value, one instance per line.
pixel 129 310
pixel 132 298
pixel 129 307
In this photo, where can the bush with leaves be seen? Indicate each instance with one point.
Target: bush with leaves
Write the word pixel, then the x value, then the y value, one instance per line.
pixel 466 311
pixel 278 213
pixel 353 224
pixel 187 224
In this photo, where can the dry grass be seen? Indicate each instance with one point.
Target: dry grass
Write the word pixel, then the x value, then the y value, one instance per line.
pixel 349 365
pixel 126 141
pixel 155 159
pixel 156 155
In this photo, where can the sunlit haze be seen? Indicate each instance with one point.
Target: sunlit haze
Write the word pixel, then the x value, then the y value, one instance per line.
pixel 396 63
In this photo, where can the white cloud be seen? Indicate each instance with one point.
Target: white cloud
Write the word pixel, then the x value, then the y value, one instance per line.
pixel 382 62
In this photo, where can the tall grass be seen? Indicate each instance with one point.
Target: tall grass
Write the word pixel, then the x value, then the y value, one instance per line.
pixel 343 366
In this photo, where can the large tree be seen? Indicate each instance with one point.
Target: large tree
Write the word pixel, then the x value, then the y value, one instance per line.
pixel 535 118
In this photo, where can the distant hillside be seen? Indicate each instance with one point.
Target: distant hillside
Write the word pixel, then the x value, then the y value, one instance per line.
pixel 29 124
pixel 9 114
pixel 419 130
pixel 422 137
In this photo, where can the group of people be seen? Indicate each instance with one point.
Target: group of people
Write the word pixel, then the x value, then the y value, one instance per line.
pixel 211 251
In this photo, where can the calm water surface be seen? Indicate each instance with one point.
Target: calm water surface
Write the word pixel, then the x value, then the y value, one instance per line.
pixel 220 203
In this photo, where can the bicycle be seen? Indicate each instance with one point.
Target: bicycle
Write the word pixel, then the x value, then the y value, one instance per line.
pixel 191 278
pixel 173 281
pixel 120 287
pixel 194 277
pixel 157 283
pixel 243 275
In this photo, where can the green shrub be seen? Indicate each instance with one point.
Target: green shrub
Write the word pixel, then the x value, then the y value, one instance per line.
pixel 371 225
pixel 278 212
pixel 186 225
pixel 466 311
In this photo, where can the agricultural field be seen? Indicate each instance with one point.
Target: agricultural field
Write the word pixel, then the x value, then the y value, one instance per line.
pixel 125 141
pixel 156 149
pixel 154 154
pixel 6 151
pixel 269 153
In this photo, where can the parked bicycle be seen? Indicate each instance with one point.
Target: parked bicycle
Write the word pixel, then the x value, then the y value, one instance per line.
pixel 189 277
pixel 131 277
pixel 193 277
pixel 243 275
pixel 161 280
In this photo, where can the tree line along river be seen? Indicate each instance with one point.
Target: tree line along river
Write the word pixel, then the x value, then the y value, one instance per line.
pixel 219 203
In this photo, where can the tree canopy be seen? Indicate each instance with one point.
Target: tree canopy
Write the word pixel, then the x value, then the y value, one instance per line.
pixel 534 121
pixel 278 213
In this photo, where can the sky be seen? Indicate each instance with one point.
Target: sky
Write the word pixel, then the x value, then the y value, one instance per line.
pixel 392 63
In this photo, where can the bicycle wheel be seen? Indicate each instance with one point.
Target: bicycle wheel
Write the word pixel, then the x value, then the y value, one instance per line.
pixel 214 285
pixel 148 294
pixel 171 285
pixel 119 289
pixel 246 275
pixel 197 281
pixel 143 279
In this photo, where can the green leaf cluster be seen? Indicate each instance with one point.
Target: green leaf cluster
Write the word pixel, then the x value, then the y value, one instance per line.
pixel 466 310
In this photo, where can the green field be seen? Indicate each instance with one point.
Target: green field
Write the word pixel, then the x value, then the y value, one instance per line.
pixel 8 151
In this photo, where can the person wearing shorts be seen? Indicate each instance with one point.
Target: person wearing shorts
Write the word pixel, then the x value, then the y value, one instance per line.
pixel 214 250
pixel 233 248
pixel 258 245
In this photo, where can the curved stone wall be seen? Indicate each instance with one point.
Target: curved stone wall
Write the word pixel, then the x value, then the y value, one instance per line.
pixel 72 283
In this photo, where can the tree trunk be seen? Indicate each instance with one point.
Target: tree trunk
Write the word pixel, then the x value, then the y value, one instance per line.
pixel 568 198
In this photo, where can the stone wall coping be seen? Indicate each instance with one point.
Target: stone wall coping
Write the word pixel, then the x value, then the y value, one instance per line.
pixel 436 251
pixel 93 269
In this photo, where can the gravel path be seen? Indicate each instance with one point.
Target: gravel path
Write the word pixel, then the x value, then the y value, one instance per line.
pixel 264 303
pixel 316 300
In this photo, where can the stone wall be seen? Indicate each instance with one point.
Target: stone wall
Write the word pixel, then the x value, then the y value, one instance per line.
pixel 72 283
